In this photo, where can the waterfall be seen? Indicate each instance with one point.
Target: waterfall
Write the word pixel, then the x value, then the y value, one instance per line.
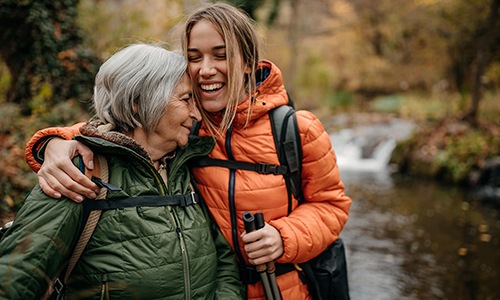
pixel 368 148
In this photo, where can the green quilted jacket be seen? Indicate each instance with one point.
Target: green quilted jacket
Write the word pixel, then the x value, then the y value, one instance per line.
pixel 166 252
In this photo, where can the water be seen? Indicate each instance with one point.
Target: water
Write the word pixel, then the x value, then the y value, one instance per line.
pixel 410 238
pixel 368 148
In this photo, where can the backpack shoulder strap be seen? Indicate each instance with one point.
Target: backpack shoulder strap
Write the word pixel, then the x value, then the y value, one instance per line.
pixel 92 217
pixel 289 147
pixel 89 222
pixel 205 161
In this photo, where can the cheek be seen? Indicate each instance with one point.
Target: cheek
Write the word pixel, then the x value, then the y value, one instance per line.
pixel 192 69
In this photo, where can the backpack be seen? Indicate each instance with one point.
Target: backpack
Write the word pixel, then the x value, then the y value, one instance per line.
pixel 326 274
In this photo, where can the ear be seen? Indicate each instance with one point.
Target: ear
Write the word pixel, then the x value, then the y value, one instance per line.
pixel 135 107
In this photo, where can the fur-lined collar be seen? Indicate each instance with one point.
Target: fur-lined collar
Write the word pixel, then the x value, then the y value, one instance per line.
pixel 97 128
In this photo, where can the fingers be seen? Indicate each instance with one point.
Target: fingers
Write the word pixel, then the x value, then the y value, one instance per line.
pixel 56 181
pixel 263 245
pixel 60 176
pixel 262 249
pixel 73 180
pixel 260 258
pixel 47 189
pixel 87 155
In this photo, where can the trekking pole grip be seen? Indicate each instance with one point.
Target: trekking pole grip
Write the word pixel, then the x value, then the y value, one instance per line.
pixel 249 221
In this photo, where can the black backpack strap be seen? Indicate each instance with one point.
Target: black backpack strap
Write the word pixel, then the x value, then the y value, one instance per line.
pixel 289 148
pixel 143 201
pixel 262 168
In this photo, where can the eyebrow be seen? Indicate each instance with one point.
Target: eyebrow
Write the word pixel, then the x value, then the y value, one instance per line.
pixel 214 48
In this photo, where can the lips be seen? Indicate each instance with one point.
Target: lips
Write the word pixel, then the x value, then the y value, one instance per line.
pixel 213 87
pixel 188 129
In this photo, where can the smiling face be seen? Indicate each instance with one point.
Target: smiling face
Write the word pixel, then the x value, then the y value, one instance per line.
pixel 207 63
pixel 222 49
pixel 176 122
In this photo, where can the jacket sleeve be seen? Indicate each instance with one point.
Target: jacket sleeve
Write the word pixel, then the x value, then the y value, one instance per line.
pixel 314 225
pixel 36 246
pixel 228 283
pixel 35 146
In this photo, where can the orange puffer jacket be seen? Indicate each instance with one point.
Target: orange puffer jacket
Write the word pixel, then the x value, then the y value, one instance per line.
pixel 310 228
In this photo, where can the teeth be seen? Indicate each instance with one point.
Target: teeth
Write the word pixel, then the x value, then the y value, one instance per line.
pixel 211 87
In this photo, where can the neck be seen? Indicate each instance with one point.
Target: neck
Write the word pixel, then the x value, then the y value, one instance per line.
pixel 155 146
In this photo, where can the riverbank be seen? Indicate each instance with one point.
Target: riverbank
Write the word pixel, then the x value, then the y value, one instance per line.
pixel 448 150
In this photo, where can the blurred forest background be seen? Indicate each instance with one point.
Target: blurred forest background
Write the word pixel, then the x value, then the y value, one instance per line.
pixel 436 62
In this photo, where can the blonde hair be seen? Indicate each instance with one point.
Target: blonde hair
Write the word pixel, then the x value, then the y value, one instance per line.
pixel 239 34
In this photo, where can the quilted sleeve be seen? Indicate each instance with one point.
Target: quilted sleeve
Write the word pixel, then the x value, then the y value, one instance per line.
pixel 314 225
pixel 34 148
pixel 35 248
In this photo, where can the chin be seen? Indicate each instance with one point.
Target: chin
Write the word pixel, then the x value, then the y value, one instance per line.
pixel 182 142
pixel 213 107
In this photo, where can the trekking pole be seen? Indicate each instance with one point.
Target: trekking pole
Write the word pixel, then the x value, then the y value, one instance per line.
pixel 271 268
pixel 249 219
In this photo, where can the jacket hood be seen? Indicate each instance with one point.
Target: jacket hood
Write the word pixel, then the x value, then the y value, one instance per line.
pixel 270 93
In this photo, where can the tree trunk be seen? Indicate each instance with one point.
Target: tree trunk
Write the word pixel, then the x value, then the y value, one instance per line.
pixel 481 61
pixel 44 49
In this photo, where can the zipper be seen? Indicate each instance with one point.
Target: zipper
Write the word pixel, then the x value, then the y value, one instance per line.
pixel 185 258
pixel 231 199
pixel 104 290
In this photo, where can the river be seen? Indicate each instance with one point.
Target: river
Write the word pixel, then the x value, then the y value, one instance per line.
pixel 410 238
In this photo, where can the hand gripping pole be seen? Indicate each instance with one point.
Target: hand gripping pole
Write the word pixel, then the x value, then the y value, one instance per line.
pixel 249 221
pixel 270 267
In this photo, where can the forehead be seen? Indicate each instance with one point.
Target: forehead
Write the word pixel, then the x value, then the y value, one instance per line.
pixel 204 32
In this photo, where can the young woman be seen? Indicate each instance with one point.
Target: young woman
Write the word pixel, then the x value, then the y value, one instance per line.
pixel 236 91
pixel 143 99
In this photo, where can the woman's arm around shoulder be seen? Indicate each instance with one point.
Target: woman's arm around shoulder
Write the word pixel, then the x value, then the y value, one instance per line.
pixel 314 225
pixel 58 176
pixel 37 142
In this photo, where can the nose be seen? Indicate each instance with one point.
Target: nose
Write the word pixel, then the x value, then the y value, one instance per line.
pixel 194 112
pixel 207 68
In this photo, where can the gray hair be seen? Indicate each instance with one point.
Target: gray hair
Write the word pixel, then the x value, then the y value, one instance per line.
pixel 133 87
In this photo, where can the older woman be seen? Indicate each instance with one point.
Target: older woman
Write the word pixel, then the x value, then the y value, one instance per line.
pixel 145 110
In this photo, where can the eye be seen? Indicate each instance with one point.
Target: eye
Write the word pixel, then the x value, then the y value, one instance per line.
pixel 194 58
pixel 186 98
pixel 221 56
